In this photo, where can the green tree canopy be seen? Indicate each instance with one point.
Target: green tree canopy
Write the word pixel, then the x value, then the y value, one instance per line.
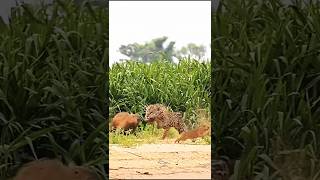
pixel 149 51
pixel 155 50
pixel 192 50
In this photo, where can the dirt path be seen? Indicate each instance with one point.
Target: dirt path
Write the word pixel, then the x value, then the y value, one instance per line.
pixel 160 161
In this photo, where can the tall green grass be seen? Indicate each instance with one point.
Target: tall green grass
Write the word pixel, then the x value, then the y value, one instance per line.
pixel 53 63
pixel 184 87
pixel 267 88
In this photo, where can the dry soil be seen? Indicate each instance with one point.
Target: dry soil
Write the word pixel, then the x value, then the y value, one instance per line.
pixel 160 161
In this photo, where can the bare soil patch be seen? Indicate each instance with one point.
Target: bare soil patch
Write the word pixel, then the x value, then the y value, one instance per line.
pixel 160 161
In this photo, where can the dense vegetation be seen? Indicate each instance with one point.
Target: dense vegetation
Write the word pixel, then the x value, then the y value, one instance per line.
pixel 184 87
pixel 53 61
pixel 267 85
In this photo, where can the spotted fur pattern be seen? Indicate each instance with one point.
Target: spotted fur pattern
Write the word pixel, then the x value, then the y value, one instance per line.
pixel 165 118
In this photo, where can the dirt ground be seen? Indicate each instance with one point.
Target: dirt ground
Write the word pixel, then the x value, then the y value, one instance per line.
pixel 160 161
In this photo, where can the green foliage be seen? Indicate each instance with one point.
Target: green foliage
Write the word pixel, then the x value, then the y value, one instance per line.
pixel 192 50
pixel 149 51
pixel 153 50
pixel 266 100
pixel 148 135
pixel 184 87
pixel 53 61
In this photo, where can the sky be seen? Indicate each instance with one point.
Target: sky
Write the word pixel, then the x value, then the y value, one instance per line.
pixel 141 21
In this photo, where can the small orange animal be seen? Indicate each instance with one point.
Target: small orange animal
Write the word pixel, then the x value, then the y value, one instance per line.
pixel 48 169
pixel 198 132
pixel 125 121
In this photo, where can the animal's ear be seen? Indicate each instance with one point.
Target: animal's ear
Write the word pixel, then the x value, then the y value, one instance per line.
pixel 180 114
pixel 159 111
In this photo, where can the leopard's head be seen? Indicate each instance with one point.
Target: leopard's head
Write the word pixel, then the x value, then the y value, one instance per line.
pixel 154 112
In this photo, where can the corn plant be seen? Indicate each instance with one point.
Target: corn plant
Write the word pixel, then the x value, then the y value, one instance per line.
pixel 185 86
pixel 53 63
pixel 267 77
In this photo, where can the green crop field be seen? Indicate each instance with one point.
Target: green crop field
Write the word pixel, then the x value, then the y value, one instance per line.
pixel 184 87
pixel 53 63
pixel 267 88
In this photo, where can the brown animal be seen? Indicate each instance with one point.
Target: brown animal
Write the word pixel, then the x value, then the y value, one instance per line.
pixel 47 169
pixel 199 132
pixel 125 121
pixel 165 118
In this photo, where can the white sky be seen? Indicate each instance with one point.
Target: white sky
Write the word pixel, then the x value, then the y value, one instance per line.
pixel 141 21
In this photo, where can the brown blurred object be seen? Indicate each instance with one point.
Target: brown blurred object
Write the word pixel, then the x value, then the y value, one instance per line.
pixel 221 169
pixel 52 169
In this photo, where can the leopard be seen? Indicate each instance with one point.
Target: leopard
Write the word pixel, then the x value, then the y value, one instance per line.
pixel 165 118
pixel 201 131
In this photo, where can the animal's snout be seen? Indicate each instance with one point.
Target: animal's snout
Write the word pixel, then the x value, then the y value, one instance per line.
pixel 149 119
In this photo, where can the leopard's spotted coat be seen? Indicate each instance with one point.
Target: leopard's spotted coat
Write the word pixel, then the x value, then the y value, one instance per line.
pixel 165 118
